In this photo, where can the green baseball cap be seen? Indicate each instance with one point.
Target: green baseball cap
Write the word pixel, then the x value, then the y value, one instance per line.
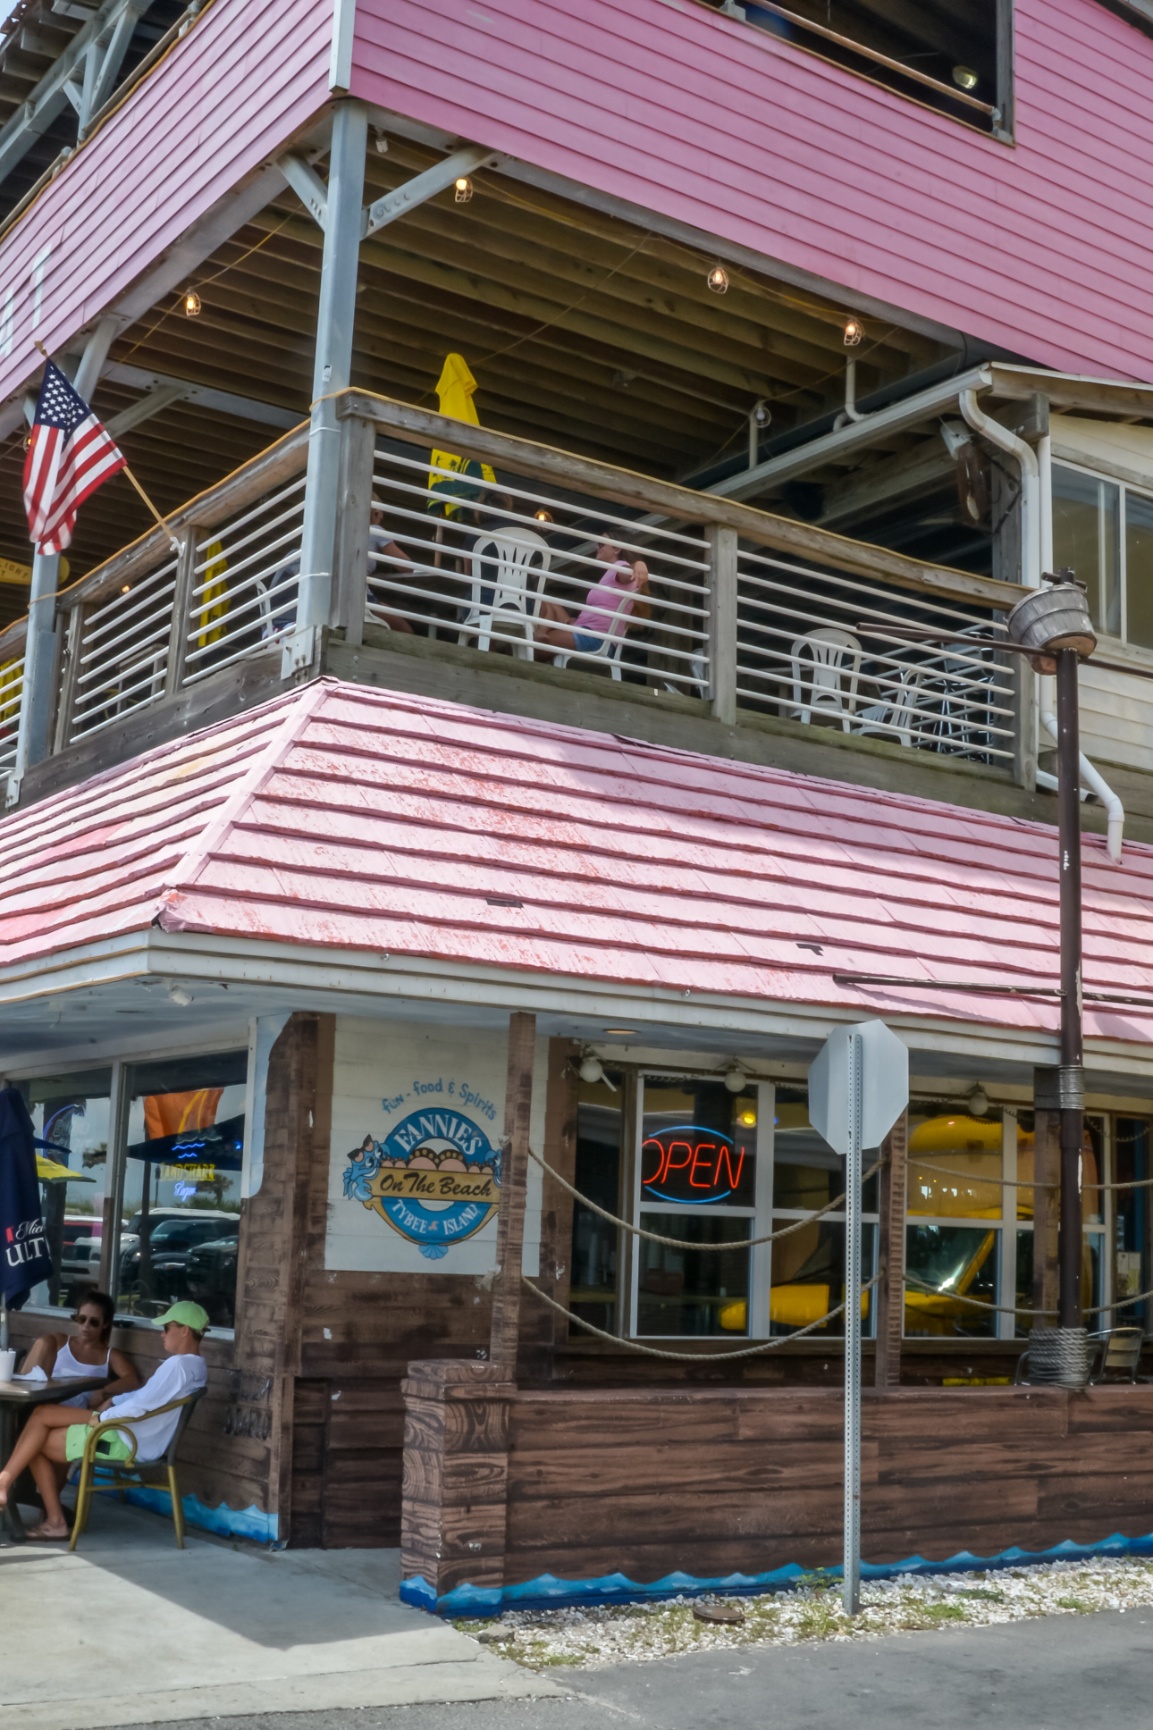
pixel 186 1315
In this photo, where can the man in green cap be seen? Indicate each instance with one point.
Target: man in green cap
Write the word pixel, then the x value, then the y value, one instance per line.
pixel 52 1435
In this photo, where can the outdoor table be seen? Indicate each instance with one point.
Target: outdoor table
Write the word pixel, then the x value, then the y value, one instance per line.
pixel 22 1396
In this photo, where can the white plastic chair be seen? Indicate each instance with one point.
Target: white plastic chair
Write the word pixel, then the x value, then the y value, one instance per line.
pixel 610 648
pixel 825 665
pixel 518 555
pixel 894 715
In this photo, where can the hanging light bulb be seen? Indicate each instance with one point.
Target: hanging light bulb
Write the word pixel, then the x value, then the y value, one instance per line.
pixel 977 1100
pixel 543 516
pixel 965 78
pixel 462 189
pixel 853 332
pixel 718 279
pixel 191 303
pixel 734 1077
pixel 592 1069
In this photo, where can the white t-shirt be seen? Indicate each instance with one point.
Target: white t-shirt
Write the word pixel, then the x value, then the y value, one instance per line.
pixel 181 1374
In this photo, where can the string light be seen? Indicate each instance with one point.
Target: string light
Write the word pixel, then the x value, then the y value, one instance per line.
pixel 718 279
pixel 854 331
pixel 462 189
pixel 191 303
pixel 543 516
pixel 965 78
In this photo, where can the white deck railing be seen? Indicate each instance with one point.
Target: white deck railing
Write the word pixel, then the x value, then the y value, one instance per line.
pixel 745 616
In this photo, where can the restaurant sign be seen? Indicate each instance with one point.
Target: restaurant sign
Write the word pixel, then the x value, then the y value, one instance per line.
pixel 434 1177
pixel 693 1166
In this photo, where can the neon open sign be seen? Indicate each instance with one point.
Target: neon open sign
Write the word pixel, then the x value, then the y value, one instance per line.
pixel 693 1166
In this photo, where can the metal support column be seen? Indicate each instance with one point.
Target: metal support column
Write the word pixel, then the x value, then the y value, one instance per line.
pixel 33 741
pixel 1071 1081
pixel 343 230
pixel 851 1584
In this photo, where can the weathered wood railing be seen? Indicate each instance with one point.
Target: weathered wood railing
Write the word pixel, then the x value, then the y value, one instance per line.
pixel 746 613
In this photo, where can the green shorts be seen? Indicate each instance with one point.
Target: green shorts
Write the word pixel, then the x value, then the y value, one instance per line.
pixel 111 1445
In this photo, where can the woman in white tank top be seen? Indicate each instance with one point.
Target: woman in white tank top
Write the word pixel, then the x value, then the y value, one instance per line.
pixel 87 1353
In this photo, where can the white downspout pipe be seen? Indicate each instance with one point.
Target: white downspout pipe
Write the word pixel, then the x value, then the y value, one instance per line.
pixel 1092 779
pixel 1037 556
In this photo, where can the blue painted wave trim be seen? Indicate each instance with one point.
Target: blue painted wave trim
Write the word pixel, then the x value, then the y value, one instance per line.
pixel 251 1523
pixel 548 1593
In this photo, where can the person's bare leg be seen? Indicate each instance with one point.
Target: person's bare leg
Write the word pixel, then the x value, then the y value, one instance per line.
pixel 557 634
pixel 33 1441
pixel 43 1469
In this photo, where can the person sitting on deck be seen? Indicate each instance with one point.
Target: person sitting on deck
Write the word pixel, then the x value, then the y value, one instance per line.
pixel 610 595
pixel 87 1353
pixel 52 1435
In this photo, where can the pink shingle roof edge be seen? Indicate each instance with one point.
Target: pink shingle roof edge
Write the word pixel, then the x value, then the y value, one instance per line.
pixel 350 818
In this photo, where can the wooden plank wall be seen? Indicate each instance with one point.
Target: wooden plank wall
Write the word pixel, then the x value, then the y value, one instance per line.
pixel 649 1481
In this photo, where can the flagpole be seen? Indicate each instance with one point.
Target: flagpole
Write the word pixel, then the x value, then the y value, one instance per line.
pixel 160 520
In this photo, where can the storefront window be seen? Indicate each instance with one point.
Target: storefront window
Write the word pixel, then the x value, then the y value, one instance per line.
pixel 70 1115
pixel 956 1204
pixel 180 1202
pixel 696 1182
pixel 808 1266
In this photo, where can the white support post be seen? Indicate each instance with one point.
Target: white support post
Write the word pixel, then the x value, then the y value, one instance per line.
pixel 851 1582
pixel 33 740
pixel 336 312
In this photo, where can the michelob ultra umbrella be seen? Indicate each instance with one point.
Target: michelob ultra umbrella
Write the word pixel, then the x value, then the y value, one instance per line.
pixel 453 479
pixel 24 1257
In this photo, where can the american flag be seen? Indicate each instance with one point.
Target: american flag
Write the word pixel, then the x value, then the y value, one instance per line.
pixel 69 455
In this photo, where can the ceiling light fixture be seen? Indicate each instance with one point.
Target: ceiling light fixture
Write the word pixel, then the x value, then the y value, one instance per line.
pixel 735 1078
pixel 718 279
pixel 621 1032
pixel 542 516
pixel 592 1070
pixel 965 78
pixel 462 189
pixel 977 1100
pixel 191 303
pixel 853 332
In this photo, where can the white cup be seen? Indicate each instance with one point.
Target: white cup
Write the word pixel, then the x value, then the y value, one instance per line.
pixel 7 1366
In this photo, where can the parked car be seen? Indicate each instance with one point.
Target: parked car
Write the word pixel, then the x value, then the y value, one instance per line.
pixel 212 1278
pixel 154 1275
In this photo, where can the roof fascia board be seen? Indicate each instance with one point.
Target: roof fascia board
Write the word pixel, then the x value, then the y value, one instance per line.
pixel 882 423
pixel 1115 397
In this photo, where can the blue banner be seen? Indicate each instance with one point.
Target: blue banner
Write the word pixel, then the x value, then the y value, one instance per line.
pixel 24 1256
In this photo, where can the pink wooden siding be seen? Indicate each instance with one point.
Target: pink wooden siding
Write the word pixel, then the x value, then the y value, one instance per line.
pixel 348 819
pixel 248 76
pixel 1042 247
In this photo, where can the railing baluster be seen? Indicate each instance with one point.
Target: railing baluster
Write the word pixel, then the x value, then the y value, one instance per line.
pixel 722 544
pixel 66 699
pixel 181 609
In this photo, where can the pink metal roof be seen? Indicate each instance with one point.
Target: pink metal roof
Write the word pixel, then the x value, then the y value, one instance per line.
pixel 351 818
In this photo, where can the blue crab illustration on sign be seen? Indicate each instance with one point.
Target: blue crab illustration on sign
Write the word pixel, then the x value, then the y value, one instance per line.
pixel 434 1178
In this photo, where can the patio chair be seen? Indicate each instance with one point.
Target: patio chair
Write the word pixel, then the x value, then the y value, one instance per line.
pixel 1118 1354
pixel 894 715
pixel 609 651
pixel 501 604
pixel 825 667
pixel 122 1475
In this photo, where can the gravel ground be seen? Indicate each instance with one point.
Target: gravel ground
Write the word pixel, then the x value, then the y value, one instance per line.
pixel 617 1634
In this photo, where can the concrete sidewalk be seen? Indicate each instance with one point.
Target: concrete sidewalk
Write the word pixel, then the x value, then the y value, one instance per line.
pixel 131 1630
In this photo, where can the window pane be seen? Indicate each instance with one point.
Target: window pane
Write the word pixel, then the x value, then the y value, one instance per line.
pixel 70 1114
pixel 698 1144
pixel 685 1292
pixel 809 1276
pixel 955 1163
pixel 1131 1139
pixel 807 1174
pixel 1139 570
pixel 598 1163
pixel 945 1265
pixel 1086 535
pixel 180 1220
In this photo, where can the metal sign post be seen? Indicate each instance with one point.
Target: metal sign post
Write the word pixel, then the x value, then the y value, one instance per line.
pixel 858 1088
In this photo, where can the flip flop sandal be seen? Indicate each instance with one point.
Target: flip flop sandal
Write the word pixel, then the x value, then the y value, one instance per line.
pixel 38 1535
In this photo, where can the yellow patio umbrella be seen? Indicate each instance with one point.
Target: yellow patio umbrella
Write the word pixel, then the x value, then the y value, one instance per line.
pixel 51 1171
pixel 454 478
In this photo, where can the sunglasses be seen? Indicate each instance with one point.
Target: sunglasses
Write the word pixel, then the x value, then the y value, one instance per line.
pixel 89 1321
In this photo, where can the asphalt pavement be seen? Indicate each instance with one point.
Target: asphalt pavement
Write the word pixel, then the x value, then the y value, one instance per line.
pixel 1058 1673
